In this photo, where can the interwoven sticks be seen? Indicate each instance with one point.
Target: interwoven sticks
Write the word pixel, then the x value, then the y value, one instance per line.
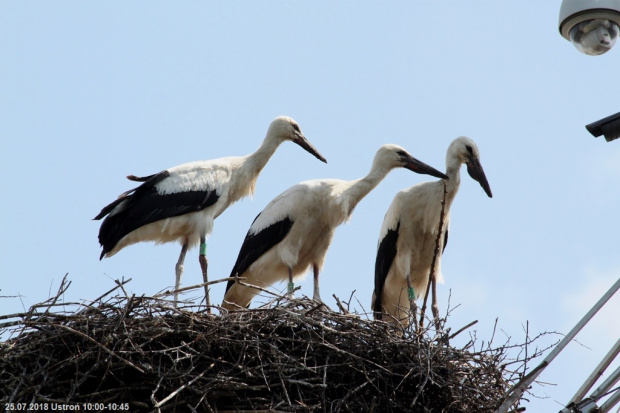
pixel 294 356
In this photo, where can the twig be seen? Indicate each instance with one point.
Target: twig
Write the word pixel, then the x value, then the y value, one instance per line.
pixel 104 348
pixel 462 329
pixel 109 291
pixel 64 285
pixel 194 287
pixel 431 274
pixel 184 386
pixel 340 306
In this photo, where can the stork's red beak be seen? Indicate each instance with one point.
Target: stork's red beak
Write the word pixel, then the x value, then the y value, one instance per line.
pixel 304 143
pixel 420 167
pixel 474 169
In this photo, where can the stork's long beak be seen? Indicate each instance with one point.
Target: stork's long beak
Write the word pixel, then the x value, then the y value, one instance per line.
pixel 474 169
pixel 304 143
pixel 420 167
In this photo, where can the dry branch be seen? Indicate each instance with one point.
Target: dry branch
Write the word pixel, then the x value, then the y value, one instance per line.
pixel 432 279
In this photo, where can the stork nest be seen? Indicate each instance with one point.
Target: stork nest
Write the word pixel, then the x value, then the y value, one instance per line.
pixel 142 354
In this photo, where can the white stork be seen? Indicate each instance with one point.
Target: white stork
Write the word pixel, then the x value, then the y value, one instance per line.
pixel 409 232
pixel 180 203
pixel 295 230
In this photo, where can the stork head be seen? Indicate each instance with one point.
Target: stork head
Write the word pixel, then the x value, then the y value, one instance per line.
pixel 284 128
pixel 464 150
pixel 394 156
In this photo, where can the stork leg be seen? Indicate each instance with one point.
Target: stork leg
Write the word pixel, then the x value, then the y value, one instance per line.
pixel 179 272
pixel 203 265
pixel 316 296
pixel 291 287
pixel 413 307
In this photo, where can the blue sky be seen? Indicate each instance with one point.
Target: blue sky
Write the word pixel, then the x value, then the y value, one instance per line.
pixel 92 92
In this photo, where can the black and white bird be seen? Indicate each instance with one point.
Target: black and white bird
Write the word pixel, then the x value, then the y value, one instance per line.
pixel 180 203
pixel 295 230
pixel 409 231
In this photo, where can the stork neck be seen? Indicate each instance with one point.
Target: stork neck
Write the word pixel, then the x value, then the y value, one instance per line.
pixel 256 161
pixel 248 168
pixel 361 187
pixel 453 170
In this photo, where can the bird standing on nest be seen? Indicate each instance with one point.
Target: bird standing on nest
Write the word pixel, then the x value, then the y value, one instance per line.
pixel 409 232
pixel 180 203
pixel 295 230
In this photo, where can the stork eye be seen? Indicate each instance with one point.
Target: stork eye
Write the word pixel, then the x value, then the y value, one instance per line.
pixel 403 154
pixel 296 127
pixel 470 150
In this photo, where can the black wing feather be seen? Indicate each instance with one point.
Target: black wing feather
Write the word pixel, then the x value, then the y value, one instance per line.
pixel 255 245
pixel 445 241
pixel 144 205
pixel 385 256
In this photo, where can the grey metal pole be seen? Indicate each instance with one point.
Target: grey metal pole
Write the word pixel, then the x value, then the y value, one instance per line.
pixel 516 391
pixel 596 374
pixel 610 403
pixel 607 384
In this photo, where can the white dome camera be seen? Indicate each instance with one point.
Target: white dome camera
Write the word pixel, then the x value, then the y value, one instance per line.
pixel 592 26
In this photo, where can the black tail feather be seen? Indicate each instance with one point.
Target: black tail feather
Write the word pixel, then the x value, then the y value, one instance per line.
pixel 140 178
pixel 108 208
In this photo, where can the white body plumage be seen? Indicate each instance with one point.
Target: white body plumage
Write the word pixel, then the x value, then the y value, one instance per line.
pixel 295 230
pixel 316 210
pixel 227 178
pixel 409 232
pixel 181 203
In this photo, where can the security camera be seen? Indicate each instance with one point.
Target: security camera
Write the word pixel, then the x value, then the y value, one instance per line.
pixel 609 126
pixel 592 26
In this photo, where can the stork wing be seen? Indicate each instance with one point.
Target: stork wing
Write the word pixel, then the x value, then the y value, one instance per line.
pixel 385 256
pixel 256 244
pixel 146 204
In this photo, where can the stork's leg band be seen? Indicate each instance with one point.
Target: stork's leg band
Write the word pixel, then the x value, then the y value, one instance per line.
pixel 203 248
pixel 411 293
pixel 291 287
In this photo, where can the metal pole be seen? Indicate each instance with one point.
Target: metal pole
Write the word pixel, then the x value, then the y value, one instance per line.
pixel 516 391
pixel 607 384
pixel 610 403
pixel 596 374
pixel 589 405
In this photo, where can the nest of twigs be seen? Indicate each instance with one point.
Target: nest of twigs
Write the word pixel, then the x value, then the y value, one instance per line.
pixel 293 356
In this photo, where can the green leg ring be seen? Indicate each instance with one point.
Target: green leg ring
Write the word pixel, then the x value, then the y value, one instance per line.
pixel 411 293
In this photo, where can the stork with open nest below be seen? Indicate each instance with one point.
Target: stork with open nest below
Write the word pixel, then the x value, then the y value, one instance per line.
pixel 409 237
pixel 295 230
pixel 181 203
